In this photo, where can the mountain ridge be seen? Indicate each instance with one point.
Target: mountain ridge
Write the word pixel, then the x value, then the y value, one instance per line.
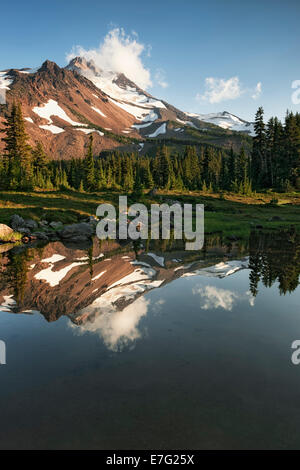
pixel 63 105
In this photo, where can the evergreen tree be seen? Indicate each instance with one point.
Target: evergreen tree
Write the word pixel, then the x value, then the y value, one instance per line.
pixel 258 164
pixel 18 157
pixel 90 167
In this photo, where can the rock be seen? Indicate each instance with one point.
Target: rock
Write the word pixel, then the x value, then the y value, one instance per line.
pixel 30 224
pixel 40 236
pixel 53 236
pixel 55 225
pixel 24 230
pixel 91 220
pixel 6 247
pixel 43 223
pixel 71 232
pixel 5 231
pixel 16 221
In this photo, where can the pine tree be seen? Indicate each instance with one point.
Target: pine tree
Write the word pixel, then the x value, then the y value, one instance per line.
pixel 90 167
pixel 258 164
pixel 17 151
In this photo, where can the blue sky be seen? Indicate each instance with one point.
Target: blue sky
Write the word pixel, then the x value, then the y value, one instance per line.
pixel 202 56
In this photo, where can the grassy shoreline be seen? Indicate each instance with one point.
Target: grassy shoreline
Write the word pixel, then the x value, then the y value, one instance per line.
pixel 228 213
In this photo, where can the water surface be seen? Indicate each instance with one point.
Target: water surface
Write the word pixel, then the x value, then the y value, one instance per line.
pixel 162 351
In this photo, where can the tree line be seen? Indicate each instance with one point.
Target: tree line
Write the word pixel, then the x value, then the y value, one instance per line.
pixel 273 163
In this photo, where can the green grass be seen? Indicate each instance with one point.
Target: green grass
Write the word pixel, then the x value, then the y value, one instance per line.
pixel 231 214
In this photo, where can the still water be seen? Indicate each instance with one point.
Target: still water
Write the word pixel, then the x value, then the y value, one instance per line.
pixel 114 348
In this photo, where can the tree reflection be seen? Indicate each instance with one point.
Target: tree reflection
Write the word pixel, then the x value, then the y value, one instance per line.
pixel 274 257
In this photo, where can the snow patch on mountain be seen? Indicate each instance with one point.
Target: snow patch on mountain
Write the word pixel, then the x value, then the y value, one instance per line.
pixel 51 128
pixel 88 131
pixel 225 120
pixel 98 111
pixel 5 81
pixel 52 108
pixel 160 130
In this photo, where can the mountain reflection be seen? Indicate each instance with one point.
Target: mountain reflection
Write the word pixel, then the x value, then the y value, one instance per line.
pixel 101 287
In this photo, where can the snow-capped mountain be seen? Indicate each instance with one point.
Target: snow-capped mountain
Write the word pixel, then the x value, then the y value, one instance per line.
pixel 62 106
pixel 226 120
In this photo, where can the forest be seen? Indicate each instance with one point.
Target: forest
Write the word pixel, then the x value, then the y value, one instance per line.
pixel 273 163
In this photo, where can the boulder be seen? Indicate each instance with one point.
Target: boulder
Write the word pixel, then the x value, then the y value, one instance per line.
pixel 71 232
pixel 16 221
pixel 30 224
pixel 52 236
pixel 24 230
pixel 43 223
pixel 5 231
pixel 55 225
pixel 91 220
pixel 41 236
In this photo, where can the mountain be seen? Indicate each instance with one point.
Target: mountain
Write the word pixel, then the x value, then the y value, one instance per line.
pixel 226 120
pixel 62 106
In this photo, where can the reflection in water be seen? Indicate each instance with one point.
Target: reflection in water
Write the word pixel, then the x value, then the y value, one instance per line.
pixel 274 257
pixel 101 288
pixel 215 297
pixel 213 370
pixel 15 274
pixel 117 328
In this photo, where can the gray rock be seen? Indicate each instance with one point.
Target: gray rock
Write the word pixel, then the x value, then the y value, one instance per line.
pixel 5 230
pixel 43 223
pixel 53 236
pixel 16 221
pixel 91 220
pixel 24 230
pixel 77 230
pixel 41 236
pixel 55 225
pixel 31 224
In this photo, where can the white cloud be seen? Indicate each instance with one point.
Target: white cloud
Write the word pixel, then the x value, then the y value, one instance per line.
pixel 257 91
pixel 118 328
pixel 219 89
pixel 118 53
pixel 214 297
pixel 160 77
